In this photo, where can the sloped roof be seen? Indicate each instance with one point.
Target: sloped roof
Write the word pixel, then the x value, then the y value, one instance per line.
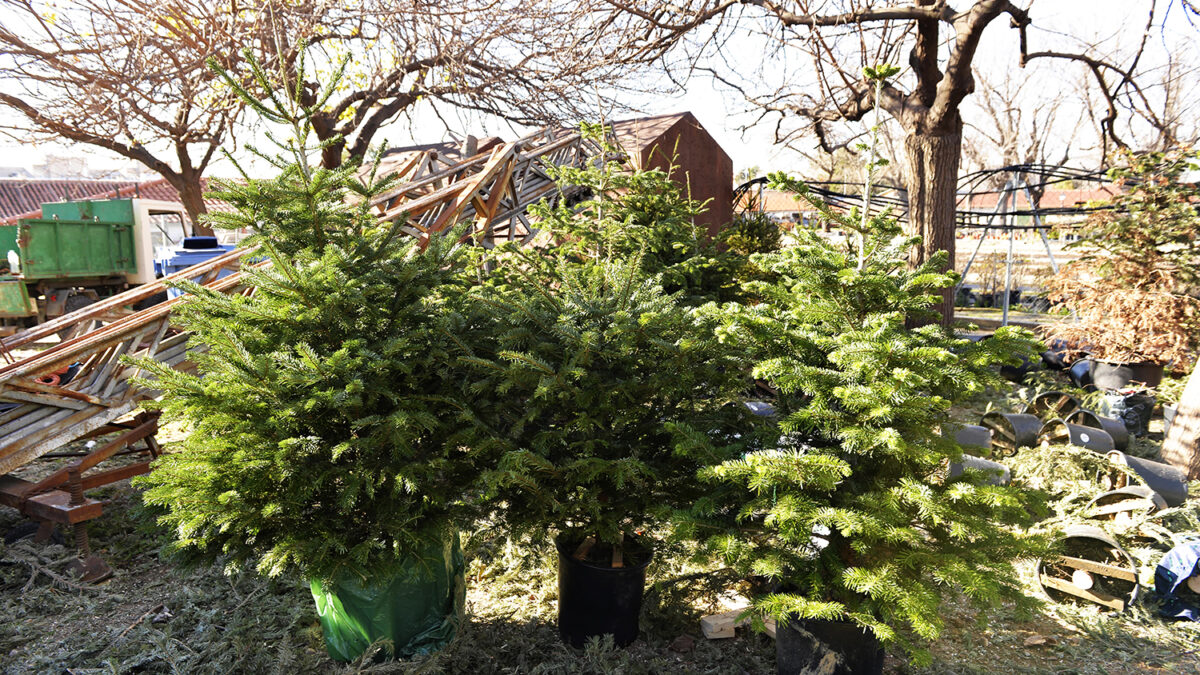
pixel 19 196
pixel 1050 198
pixel 774 201
pixel 636 135
pixel 158 189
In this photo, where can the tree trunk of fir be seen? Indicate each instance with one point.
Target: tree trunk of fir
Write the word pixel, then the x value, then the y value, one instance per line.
pixel 1182 445
pixel 191 193
pixel 932 182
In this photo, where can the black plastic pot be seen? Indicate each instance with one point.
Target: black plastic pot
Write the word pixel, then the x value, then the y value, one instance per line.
pixel 1113 375
pixel 1081 373
pixel 804 647
pixel 1018 372
pixel 1114 427
pixel 1051 405
pixel 1168 481
pixel 1057 432
pixel 1135 497
pixel 1055 356
pixel 1011 431
pixel 1113 585
pixel 595 599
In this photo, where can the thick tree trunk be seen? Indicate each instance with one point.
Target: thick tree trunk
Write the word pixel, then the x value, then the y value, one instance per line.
pixel 331 156
pixel 932 180
pixel 191 193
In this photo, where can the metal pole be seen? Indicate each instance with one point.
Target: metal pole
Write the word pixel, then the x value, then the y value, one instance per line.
pixel 1012 235
pixel 1000 206
pixel 1037 221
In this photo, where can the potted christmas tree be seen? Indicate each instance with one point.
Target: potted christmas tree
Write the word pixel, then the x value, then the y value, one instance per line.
pixel 608 397
pixel 1134 287
pixel 325 412
pixel 851 521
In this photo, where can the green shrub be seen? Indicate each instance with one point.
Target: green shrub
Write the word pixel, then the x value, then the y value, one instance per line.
pixel 852 515
pixel 635 214
pixel 326 412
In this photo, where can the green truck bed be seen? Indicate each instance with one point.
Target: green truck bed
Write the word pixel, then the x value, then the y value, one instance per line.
pixel 78 240
pixel 72 240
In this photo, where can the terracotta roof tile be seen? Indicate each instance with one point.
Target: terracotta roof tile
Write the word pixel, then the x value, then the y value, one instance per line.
pixel 36 192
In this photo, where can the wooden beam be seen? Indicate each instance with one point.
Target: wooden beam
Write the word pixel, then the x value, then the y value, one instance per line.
pixel 1099 568
pixel 1087 594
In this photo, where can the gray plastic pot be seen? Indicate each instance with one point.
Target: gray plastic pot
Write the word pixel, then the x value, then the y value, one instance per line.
pixel 998 474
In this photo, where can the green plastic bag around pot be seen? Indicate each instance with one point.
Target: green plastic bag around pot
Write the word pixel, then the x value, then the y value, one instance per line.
pixel 418 606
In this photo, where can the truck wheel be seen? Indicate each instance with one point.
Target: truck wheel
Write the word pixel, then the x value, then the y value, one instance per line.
pixel 74 302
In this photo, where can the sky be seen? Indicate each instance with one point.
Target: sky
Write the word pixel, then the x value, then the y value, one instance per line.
pixel 723 113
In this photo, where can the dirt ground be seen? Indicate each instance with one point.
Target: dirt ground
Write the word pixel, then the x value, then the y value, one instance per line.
pixel 158 615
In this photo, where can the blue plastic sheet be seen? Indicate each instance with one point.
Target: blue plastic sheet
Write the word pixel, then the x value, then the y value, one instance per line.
pixel 1176 566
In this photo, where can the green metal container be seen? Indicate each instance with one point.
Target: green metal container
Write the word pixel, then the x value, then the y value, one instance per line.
pixel 14 297
pixel 77 240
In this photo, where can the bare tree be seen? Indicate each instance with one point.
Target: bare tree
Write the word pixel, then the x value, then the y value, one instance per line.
pixel 527 62
pixel 130 76
pixel 1015 120
pixel 127 76
pixel 836 39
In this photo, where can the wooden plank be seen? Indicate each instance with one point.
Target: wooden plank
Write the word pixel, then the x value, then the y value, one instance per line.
pixel 97 455
pixel 45 399
pixel 79 424
pixel 1099 568
pixel 130 297
pixel 19 423
pixel 15 412
pixel 103 478
pixel 723 625
pixel 499 159
pixel 53 390
pixel 1138 504
pixel 1181 448
pixel 1093 596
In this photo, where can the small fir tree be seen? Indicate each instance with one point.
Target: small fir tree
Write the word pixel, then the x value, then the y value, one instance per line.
pixel 326 412
pixel 636 214
pixel 852 515
pixel 606 394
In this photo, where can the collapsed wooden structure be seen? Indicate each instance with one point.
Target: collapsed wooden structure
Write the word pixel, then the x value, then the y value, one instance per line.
pixel 82 387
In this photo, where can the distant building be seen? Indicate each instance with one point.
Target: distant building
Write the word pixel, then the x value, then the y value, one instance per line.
pixel 780 205
pixel 700 164
pixel 23 197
